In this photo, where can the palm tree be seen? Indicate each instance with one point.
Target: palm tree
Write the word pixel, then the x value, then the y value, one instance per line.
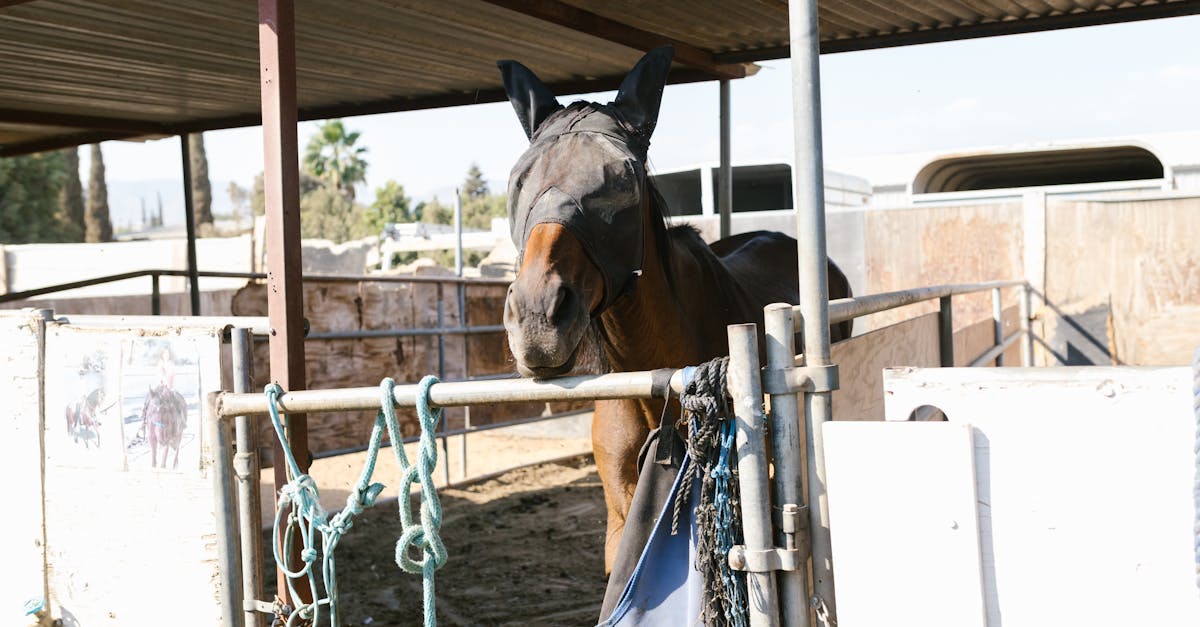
pixel 331 155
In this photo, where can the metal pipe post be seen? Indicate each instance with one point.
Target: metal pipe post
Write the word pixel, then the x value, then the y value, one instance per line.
pixel 745 388
pixel 189 221
pixel 441 344
pixel 725 178
pixel 458 248
pixel 281 188
pixel 786 447
pixel 997 324
pixel 246 467
pixel 809 201
pixel 1026 327
pixel 945 332
pixel 228 530
pixel 155 296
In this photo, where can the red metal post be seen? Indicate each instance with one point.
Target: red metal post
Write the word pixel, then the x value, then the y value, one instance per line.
pixel 281 186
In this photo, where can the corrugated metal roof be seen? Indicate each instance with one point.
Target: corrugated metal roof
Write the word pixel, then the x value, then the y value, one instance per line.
pixel 76 71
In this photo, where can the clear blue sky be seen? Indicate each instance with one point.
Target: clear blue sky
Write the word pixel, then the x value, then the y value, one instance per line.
pixel 1072 84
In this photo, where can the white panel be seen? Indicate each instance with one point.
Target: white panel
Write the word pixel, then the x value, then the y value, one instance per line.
pixel 24 574
pixel 903 519
pixel 1085 488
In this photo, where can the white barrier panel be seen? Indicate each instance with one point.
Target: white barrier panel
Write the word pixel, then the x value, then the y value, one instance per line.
pixel 1084 481
pixel 23 577
pixel 131 533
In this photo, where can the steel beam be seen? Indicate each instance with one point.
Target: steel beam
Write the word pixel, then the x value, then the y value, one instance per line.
pixel 189 221
pixel 725 179
pixel 608 29
pixel 281 186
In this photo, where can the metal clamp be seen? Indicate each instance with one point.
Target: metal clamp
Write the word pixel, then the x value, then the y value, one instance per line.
pixel 792 520
pixel 763 561
pixel 800 379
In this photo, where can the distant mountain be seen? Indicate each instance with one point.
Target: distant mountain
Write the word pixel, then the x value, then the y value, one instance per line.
pixel 126 200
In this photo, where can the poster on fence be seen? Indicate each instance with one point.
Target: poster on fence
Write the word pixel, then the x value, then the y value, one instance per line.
pixel 128 400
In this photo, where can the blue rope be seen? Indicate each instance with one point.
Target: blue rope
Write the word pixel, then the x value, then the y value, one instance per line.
pixel 735 583
pixel 308 518
pixel 1196 452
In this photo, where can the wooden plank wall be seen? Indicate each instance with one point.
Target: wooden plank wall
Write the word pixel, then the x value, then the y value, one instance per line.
pixel 365 362
pixel 922 246
pixel 1137 264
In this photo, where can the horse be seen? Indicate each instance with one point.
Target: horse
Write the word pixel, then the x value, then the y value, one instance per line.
pixel 83 417
pixel 164 417
pixel 600 265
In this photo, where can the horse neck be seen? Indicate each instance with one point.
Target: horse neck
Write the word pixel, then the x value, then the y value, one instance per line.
pixel 667 319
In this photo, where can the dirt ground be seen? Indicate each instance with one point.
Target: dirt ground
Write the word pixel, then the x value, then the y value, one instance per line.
pixel 525 546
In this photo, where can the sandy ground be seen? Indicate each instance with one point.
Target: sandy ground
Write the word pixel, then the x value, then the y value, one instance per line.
pixel 525 546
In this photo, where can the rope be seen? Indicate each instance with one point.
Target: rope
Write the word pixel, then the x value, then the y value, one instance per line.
pixel 308 519
pixel 710 444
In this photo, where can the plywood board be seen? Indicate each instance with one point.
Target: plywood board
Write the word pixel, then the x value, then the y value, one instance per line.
pixel 861 361
pixel 1085 480
pixel 24 574
pixel 129 543
pixel 904 528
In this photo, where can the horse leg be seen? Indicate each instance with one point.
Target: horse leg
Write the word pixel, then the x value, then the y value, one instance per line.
pixel 619 428
pixel 153 446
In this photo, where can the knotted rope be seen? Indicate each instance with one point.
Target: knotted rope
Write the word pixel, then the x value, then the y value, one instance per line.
pixel 308 518
pixel 710 444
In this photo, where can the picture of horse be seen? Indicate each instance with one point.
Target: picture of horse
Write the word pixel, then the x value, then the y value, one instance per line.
pixel 83 418
pixel 160 390
pixel 164 417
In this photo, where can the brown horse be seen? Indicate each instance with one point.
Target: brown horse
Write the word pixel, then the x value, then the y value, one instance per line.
pixel 83 417
pixel 598 260
pixel 164 417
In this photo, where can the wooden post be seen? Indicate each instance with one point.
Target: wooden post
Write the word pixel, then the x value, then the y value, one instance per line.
pixel 281 187
pixel 189 221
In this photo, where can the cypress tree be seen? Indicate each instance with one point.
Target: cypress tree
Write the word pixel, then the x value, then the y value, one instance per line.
pixel 96 219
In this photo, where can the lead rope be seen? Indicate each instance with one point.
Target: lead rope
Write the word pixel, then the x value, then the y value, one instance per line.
pixel 307 516
pixel 710 445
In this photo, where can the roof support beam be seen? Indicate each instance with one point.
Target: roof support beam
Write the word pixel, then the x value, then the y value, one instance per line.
pixel 602 27
pixel 68 120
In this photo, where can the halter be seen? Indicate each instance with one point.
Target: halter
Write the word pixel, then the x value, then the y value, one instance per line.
pixel 584 170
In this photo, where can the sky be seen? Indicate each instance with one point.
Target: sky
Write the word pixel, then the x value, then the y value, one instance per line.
pixel 1081 83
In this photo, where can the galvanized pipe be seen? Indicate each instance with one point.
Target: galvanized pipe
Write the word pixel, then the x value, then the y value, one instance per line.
pixel 997 323
pixel 247 469
pixel 441 345
pixel 745 388
pixel 786 448
pixel 1026 327
pixel 617 385
pixel 946 332
pixel 226 517
pixel 809 201
pixel 844 309
pixel 258 325
pixel 725 177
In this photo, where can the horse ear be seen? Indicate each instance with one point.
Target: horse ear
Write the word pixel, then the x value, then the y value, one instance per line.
pixel 532 100
pixel 641 91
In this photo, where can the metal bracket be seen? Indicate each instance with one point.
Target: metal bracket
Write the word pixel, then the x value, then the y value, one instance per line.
pixel 800 379
pixel 763 561
pixel 792 520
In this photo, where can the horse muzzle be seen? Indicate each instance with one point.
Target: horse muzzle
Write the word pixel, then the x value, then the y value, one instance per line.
pixel 545 320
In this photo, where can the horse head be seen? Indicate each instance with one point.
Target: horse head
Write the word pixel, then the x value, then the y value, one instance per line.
pixel 577 203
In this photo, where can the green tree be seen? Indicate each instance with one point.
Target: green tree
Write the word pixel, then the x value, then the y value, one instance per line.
pixel 97 223
pixel 434 212
pixel 70 197
pixel 326 213
pixel 332 156
pixel 201 186
pixel 391 205
pixel 29 198
pixel 475 186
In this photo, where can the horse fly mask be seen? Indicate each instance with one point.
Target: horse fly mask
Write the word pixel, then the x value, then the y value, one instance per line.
pixel 584 170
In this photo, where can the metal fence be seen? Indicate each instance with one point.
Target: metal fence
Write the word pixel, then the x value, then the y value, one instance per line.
pixel 786 379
